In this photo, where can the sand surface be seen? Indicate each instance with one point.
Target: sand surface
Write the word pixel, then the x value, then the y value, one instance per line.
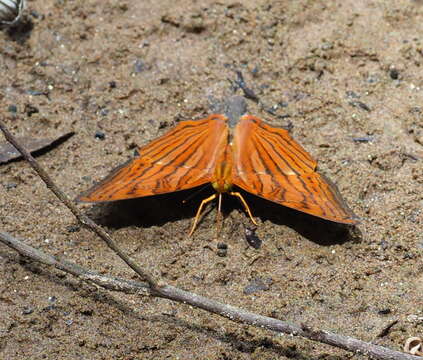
pixel 347 75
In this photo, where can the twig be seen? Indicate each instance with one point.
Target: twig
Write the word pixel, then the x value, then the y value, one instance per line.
pixel 227 311
pixel 83 219
pixel 173 293
pixel 107 282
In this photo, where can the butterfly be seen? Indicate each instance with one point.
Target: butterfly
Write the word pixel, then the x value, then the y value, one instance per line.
pixel 227 149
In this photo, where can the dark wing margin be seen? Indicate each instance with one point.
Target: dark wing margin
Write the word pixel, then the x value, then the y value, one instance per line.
pixel 270 164
pixel 181 159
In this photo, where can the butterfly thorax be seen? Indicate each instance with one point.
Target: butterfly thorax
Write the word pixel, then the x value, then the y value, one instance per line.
pixel 222 178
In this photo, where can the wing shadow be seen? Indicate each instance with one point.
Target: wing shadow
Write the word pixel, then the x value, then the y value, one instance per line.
pixel 156 210
pixel 320 231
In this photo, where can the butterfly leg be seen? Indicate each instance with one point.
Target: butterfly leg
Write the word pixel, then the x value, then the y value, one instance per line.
pixel 200 208
pixel 247 209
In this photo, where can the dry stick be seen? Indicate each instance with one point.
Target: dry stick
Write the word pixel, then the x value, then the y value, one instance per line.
pixel 230 312
pixel 107 282
pixel 175 294
pixel 83 219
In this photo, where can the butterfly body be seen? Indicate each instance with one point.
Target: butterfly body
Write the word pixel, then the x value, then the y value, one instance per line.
pixel 225 150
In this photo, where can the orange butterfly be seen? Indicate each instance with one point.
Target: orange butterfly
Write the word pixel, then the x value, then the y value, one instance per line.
pixel 226 150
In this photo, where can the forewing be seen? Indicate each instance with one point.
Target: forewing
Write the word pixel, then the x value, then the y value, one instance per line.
pixel 183 158
pixel 272 165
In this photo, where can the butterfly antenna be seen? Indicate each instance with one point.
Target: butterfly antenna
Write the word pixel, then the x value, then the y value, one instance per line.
pixel 194 194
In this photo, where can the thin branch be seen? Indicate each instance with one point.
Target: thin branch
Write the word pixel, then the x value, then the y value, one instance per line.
pixel 230 312
pixel 106 282
pixel 83 219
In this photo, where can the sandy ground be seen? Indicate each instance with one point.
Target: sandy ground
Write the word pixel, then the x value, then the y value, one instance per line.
pixel 130 70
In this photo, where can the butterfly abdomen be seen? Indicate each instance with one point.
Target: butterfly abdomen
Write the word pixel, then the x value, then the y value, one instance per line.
pixel 222 177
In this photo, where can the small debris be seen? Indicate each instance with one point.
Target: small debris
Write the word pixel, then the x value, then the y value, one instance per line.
pixel 222 252
pixel 100 135
pixel 27 310
pixel 8 151
pixel 252 239
pixel 256 285
pixel 385 331
pixel 72 228
pixel 394 74
pixel 360 104
pixel 31 110
pixel 36 15
pixel 255 71
pixel 414 346
pixel 248 93
pixel 139 66
pixel 352 95
pixel 12 109
pixel 373 79
pixel 163 125
pixel 11 186
pixel 363 139
pixel 37 93
pixel 222 246
pixel 104 112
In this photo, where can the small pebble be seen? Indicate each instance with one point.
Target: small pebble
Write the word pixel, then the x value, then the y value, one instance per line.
pixel 327 46
pixel 104 112
pixel 72 228
pixel 252 239
pixel 372 79
pixel 394 74
pixel 100 135
pixel 35 14
pixel 11 186
pixel 363 139
pixel 139 66
pixel 384 244
pixel 222 252
pixel 30 110
pixel 163 124
pixel 27 310
pixel 352 94
pixel 256 285
pixel 12 109
pixel 255 71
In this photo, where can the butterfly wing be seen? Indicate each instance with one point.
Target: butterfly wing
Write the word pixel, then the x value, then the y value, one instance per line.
pixel 183 158
pixel 270 164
